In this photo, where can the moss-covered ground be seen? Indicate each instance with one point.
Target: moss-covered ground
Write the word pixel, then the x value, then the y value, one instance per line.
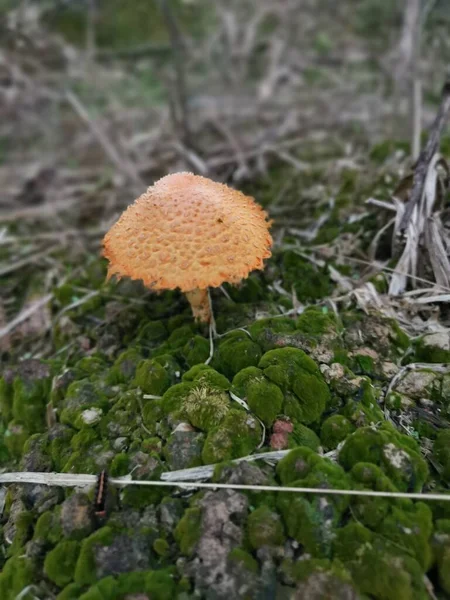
pixel 130 392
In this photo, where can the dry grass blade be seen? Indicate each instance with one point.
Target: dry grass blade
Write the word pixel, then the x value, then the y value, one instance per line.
pixel 24 315
pixel 421 233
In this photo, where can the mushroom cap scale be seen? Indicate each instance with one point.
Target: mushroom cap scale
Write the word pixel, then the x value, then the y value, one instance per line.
pixel 188 232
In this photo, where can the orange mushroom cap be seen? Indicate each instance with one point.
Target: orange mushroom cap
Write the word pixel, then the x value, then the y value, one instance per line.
pixel 188 232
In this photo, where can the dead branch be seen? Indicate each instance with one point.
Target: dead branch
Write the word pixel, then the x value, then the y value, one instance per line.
pixel 426 156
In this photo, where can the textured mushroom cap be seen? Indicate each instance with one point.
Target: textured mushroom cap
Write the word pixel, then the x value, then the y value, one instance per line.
pixel 188 232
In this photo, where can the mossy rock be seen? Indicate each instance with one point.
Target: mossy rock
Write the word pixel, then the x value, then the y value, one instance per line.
pixel 396 454
pixel 15 437
pixel 381 571
pixel 152 333
pixel 196 350
pixel 238 435
pixel 152 377
pixel 266 331
pixel 188 531
pixel 294 371
pixel 124 368
pixel 174 397
pixel 371 511
pixel 334 430
pixel 206 375
pixel 205 407
pixel 30 394
pixel 303 436
pixel 80 396
pixel 18 573
pixel 236 351
pixel 311 520
pixel 264 528
pixel 264 398
pixel 317 322
pixel 85 570
pixel 244 560
pixel 433 348
pixel 59 565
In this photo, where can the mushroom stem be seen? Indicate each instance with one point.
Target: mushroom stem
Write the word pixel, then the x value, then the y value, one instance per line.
pixel 200 304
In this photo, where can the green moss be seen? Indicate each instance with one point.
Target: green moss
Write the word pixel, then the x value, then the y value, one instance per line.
pixel 441 452
pixel 89 365
pixel 316 321
pixel 120 465
pixel 429 353
pixel 264 528
pixel 309 281
pixel 334 430
pixel 265 399
pixel 160 585
pixel 297 464
pixel 363 364
pixel 242 380
pixel 238 435
pixel 381 572
pixel 310 521
pixel 180 336
pixel 15 437
pixel 73 591
pixel 59 564
pixel 371 511
pixel 23 531
pixel 294 371
pixel 152 413
pixel 30 397
pixel 48 527
pixel 244 560
pixel 105 589
pixel 85 570
pixel 174 397
pixel 18 573
pixel 398 336
pixel 188 531
pixel 265 332
pixel 152 378
pixel 6 400
pixel 206 407
pixel 124 367
pixel 410 527
pixel 303 436
pixel 206 375
pixel 81 395
pixel 152 333
pixel 161 547
pixel 364 409
pixel 249 290
pixel 235 352
pixel 397 455
pixel 349 540
pixel 196 350
pixel 301 570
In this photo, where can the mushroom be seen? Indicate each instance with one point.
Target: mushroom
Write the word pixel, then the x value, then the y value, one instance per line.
pixel 191 233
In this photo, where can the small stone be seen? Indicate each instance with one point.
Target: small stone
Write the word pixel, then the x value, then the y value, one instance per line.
pixel 76 516
pixel 120 444
pixel 389 369
pixel 91 416
pixel 184 449
pixel 417 384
